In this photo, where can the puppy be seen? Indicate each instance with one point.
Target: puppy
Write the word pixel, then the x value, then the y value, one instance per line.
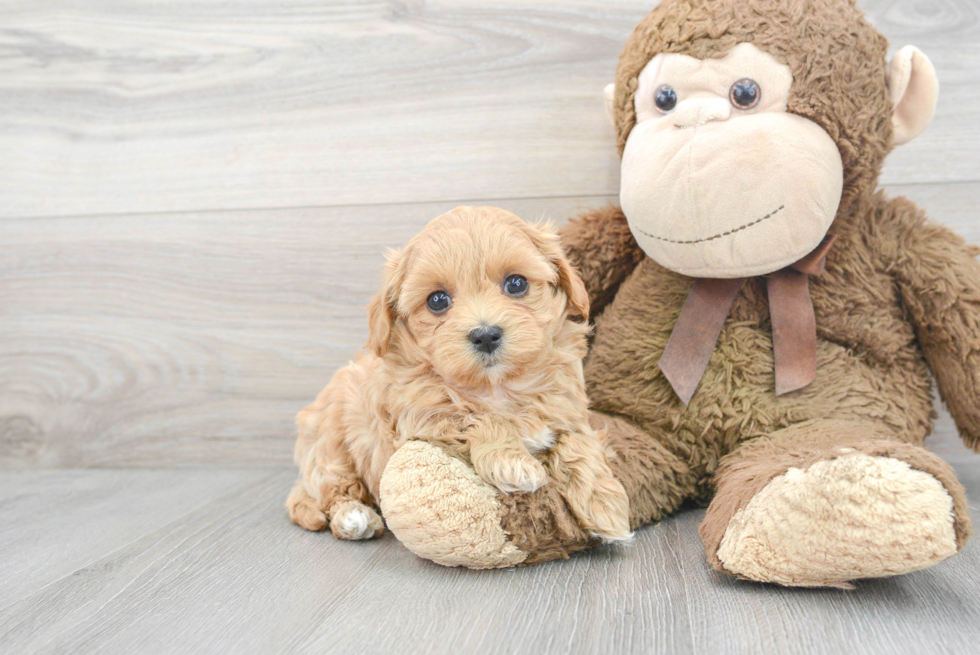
pixel 472 345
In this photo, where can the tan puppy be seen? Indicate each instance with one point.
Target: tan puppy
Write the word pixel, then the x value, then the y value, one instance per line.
pixel 470 345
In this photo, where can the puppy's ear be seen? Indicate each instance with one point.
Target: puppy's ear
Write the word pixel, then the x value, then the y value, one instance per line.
pixel 546 239
pixel 382 309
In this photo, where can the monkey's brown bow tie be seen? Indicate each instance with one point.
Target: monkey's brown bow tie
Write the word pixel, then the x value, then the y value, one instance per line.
pixel 794 326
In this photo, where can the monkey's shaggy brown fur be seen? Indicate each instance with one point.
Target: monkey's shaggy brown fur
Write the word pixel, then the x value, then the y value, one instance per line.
pixel 900 295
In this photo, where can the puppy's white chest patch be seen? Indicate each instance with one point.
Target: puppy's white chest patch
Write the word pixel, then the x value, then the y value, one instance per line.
pixel 542 440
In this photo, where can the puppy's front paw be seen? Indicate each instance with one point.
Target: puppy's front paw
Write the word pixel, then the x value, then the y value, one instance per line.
pixel 596 498
pixel 354 520
pixel 607 511
pixel 511 471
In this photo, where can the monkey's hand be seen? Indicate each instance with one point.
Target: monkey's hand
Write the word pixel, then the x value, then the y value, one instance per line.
pixel 938 277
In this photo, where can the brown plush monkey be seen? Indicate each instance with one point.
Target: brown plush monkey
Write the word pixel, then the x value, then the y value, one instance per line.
pixel 750 132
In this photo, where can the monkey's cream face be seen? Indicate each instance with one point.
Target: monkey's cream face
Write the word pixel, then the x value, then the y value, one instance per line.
pixel 718 180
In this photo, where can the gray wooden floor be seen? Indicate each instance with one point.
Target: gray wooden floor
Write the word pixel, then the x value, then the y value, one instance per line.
pixel 194 199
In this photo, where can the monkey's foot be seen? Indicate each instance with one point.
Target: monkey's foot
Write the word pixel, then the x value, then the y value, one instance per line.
pixel 441 510
pixel 850 517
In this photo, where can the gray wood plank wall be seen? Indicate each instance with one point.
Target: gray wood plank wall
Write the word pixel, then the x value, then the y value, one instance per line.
pixel 195 196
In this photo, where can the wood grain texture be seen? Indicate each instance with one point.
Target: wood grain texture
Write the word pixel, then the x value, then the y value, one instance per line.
pixel 179 339
pixel 159 105
pixel 184 339
pixel 235 576
pixel 194 198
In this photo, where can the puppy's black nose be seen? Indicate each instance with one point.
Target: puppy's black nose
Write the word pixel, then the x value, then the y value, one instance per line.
pixel 486 339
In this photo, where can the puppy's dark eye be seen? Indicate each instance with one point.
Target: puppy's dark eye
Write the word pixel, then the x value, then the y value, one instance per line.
pixel 745 93
pixel 665 98
pixel 515 285
pixel 438 302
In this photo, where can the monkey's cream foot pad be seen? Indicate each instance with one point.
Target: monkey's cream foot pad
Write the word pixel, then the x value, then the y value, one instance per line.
pixel 848 518
pixel 459 524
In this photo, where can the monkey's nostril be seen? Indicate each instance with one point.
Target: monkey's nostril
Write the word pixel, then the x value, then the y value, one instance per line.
pixel 486 339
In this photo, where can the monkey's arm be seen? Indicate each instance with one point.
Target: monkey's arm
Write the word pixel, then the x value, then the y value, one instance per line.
pixel 601 247
pixel 938 276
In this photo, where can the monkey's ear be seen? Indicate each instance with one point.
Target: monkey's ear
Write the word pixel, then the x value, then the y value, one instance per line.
pixel 914 89
pixel 609 94
pixel 383 307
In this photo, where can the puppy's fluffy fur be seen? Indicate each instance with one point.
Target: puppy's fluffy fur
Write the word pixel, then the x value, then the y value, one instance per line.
pixel 518 412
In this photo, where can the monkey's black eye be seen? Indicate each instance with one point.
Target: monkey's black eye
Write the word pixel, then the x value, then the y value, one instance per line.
pixel 665 98
pixel 745 93
pixel 515 285
pixel 438 302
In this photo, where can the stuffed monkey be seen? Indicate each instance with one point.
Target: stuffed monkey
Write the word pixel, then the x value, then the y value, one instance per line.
pixel 768 323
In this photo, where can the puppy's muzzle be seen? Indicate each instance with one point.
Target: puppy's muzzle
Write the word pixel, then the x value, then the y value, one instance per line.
pixel 486 339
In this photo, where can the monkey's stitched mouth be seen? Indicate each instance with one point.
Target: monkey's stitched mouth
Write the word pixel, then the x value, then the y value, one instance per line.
pixel 717 236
